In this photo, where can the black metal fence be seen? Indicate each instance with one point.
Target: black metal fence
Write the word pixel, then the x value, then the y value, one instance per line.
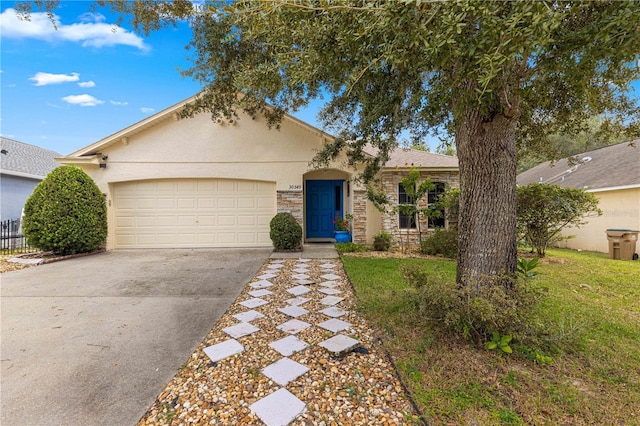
pixel 12 241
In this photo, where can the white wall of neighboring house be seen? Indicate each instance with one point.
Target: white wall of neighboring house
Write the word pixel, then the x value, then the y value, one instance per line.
pixel 621 210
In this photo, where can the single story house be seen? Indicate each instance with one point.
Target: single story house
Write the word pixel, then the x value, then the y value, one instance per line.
pixel 22 167
pixel 196 182
pixel 612 174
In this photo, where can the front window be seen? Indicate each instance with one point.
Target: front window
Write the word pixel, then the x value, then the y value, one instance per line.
pixel 405 220
pixel 432 198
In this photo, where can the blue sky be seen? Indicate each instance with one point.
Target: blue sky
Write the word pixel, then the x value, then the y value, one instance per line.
pixel 65 89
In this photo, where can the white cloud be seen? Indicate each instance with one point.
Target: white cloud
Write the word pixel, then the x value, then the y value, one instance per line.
pixel 92 17
pixel 45 78
pixel 82 100
pixel 90 32
pixel 86 84
pixel 146 110
pixel 118 103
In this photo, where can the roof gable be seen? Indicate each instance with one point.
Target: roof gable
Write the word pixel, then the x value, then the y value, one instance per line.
pixel 169 113
pixel 21 159
pixel 608 167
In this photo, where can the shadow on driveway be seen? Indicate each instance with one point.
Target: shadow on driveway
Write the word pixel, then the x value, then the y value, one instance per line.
pixel 94 340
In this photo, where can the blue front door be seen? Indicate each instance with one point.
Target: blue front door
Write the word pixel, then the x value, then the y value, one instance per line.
pixel 324 203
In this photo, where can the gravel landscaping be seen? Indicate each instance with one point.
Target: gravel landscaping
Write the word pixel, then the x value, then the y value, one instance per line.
pixel 356 388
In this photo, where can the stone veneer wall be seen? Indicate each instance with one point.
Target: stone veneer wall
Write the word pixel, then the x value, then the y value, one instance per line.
pixel 359 230
pixel 390 182
pixel 291 202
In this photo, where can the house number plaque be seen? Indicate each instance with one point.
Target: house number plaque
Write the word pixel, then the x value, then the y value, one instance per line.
pixel 298 187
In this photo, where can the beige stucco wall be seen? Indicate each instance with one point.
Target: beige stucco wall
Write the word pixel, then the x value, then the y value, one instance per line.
pixel 201 148
pixel 621 209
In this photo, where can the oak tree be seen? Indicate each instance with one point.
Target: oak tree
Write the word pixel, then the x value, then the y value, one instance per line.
pixel 491 73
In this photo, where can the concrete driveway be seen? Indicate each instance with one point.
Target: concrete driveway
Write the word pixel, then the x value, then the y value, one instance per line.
pixel 94 340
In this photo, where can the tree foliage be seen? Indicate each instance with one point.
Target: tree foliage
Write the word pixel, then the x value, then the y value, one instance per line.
pixel 488 72
pixel 66 213
pixel 545 210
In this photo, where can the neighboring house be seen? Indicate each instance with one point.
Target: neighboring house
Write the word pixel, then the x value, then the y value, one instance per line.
pixel 22 167
pixel 201 183
pixel 613 175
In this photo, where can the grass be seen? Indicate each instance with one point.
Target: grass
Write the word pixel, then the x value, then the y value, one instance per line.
pixel 589 372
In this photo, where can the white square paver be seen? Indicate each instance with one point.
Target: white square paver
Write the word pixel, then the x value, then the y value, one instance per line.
pixel 296 301
pixel 267 276
pixel 225 349
pixel 253 303
pixel 303 260
pixel 335 325
pixel 248 316
pixel 300 277
pixel 284 371
pixel 328 290
pixel 328 266
pixel 293 326
pixel 293 311
pixel 330 284
pixel 340 344
pixel 261 292
pixel 275 266
pixel 298 290
pixel 334 312
pixel 330 277
pixel 289 345
pixel 278 409
pixel 331 300
pixel 239 330
pixel 301 270
pixel 304 282
pixel 261 284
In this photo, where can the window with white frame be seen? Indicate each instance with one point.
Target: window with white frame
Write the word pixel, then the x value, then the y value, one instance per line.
pixel 432 198
pixel 405 220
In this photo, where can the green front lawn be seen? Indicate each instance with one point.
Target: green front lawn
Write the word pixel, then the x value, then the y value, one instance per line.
pixel 592 376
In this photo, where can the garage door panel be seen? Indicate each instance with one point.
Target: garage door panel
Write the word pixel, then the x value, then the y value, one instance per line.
pixel 186 203
pixel 146 221
pixel 193 213
pixel 166 203
pixel 207 203
pixel 246 220
pixel 208 220
pixel 226 203
pixel 166 221
pixel 226 186
pixel 125 222
pixel 246 202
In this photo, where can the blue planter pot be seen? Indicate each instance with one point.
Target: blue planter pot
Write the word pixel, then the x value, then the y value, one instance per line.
pixel 342 237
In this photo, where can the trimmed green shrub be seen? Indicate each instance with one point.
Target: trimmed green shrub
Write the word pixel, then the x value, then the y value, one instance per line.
pixel 441 242
pixel 66 213
pixel 286 232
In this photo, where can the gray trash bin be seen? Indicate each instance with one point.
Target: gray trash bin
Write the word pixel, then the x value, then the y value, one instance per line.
pixel 622 243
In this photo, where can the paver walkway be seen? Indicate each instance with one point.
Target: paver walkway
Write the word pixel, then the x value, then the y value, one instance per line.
pixel 291 350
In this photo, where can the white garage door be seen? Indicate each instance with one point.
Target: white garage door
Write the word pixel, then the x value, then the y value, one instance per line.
pixel 193 213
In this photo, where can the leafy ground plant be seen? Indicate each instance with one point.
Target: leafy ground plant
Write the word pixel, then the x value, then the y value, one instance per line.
pixel 584 370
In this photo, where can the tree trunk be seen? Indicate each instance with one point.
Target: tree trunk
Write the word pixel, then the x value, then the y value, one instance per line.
pixel 487 217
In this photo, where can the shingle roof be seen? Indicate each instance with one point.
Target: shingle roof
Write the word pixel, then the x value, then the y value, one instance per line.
pixel 416 158
pixel 611 166
pixel 22 159
pixel 404 157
